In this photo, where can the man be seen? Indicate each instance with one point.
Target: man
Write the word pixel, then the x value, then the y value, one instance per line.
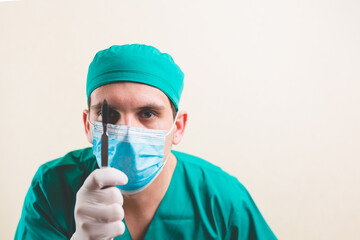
pixel 147 191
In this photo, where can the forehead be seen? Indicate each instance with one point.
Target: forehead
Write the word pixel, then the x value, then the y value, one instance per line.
pixel 129 94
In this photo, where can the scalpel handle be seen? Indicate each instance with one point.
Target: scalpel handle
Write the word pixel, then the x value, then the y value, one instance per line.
pixel 104 150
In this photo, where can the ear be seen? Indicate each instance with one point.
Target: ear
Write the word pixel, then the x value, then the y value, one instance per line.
pixel 87 125
pixel 180 126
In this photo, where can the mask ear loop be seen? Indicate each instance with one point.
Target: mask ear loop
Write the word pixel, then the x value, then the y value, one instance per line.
pixel 172 127
pixel 88 119
pixel 92 125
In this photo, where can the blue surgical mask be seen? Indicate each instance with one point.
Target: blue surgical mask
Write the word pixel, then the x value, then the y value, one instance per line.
pixel 138 152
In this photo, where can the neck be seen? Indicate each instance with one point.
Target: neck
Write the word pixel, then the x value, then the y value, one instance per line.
pixel 149 199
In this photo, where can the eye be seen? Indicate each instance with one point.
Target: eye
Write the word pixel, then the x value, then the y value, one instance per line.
pixel 98 117
pixel 114 116
pixel 147 115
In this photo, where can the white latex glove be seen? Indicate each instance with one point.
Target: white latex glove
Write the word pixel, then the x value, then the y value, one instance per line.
pixel 98 208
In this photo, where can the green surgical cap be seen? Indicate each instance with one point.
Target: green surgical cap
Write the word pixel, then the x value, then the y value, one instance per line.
pixel 136 63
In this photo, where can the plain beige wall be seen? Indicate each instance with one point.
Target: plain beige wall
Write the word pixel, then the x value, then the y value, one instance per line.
pixel 272 89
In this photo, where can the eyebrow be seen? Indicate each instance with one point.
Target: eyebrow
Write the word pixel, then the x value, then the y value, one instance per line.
pixel 96 107
pixel 152 106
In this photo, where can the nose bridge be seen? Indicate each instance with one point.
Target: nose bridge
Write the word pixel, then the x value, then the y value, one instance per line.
pixel 127 119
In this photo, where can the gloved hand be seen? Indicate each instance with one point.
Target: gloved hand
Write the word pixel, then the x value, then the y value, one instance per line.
pixel 98 207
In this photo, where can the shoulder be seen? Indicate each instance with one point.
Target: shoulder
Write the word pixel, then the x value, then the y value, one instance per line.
pixel 73 167
pixel 210 182
pixel 205 172
pixel 73 158
pixel 50 200
pixel 229 201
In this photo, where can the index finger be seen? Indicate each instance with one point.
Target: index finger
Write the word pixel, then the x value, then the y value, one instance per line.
pixel 105 177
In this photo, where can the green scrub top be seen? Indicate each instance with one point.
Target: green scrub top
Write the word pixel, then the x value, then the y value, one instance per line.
pixel 202 202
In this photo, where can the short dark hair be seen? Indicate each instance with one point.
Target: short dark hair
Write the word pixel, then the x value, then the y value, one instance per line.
pixel 173 108
pixel 172 105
